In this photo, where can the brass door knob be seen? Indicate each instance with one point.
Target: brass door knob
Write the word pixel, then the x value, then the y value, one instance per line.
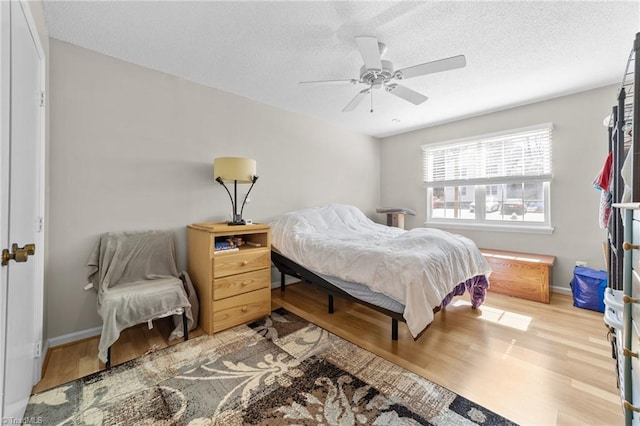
pixel 18 254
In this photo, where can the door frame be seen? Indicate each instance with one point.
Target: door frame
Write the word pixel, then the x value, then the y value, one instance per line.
pixel 5 184
pixel 41 169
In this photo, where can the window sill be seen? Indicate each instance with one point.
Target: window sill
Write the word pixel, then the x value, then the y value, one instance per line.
pixel 524 229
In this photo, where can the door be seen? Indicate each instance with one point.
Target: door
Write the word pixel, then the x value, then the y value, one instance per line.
pixel 21 183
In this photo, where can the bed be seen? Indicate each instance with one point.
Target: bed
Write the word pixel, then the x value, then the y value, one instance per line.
pixel 408 275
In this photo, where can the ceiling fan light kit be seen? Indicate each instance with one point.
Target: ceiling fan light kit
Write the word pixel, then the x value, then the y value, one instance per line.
pixel 377 73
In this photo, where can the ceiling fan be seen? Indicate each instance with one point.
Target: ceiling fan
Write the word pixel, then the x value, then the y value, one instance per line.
pixel 377 73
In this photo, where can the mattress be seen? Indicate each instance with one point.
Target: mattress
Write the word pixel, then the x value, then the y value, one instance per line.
pixel 364 293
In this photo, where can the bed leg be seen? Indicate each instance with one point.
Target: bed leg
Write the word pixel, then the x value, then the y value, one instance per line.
pixel 330 303
pixel 281 281
pixel 394 329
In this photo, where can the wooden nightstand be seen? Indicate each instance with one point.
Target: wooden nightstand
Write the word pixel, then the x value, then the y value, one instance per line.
pixel 234 287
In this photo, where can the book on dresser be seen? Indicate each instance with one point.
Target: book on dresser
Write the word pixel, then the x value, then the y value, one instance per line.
pixel 226 250
pixel 233 281
pixel 224 247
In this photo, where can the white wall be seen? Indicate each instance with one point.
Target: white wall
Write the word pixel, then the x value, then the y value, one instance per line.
pixel 579 150
pixel 132 148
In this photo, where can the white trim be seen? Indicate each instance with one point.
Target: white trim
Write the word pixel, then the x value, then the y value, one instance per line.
pixel 561 290
pixel 541 126
pixel 26 9
pixel 53 342
pixel 525 229
pixel 494 180
pixel 475 177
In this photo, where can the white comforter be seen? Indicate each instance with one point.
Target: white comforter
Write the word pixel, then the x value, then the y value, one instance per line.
pixel 417 268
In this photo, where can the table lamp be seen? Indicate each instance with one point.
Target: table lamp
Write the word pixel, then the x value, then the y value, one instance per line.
pixel 236 170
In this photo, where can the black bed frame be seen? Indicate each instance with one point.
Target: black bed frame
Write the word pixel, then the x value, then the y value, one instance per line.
pixel 287 266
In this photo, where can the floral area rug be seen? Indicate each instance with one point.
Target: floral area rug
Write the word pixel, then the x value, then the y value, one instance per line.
pixel 280 370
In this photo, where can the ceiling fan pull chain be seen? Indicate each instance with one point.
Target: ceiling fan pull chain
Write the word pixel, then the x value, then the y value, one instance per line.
pixel 371 99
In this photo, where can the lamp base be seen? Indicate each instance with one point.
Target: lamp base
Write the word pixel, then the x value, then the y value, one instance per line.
pixel 237 220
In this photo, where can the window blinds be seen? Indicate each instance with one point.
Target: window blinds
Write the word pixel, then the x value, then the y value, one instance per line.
pixel 522 155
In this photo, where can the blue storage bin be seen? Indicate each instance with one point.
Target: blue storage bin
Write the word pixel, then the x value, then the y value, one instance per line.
pixel 588 286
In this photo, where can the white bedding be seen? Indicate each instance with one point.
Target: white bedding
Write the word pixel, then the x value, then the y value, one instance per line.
pixel 417 268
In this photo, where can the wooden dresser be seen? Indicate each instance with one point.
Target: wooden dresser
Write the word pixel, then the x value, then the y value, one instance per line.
pixel 523 275
pixel 234 287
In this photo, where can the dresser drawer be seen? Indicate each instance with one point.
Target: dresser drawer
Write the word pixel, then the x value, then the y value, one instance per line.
pixel 233 285
pixel 241 309
pixel 237 263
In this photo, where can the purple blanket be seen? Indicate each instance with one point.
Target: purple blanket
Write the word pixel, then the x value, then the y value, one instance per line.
pixel 477 288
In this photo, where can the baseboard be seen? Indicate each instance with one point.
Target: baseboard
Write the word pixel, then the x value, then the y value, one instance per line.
pixel 561 290
pixel 72 337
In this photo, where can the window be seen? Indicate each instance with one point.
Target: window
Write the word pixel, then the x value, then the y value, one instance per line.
pixel 492 181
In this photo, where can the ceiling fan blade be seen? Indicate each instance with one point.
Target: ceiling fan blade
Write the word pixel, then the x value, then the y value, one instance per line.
pixel 329 82
pixel 431 67
pixel 356 100
pixel 370 52
pixel 406 94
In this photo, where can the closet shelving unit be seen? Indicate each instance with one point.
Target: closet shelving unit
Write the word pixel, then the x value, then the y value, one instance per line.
pixel 621 120
pixel 624 239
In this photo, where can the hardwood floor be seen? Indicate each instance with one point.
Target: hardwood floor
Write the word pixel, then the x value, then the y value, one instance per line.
pixel 78 359
pixel 533 363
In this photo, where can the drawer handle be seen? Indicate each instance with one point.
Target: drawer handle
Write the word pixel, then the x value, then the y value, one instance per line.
pixel 630 407
pixel 629 299
pixel 245 262
pixel 244 309
pixel 628 246
pixel 626 352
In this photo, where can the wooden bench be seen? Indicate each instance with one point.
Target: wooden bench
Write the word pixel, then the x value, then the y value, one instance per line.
pixel 523 275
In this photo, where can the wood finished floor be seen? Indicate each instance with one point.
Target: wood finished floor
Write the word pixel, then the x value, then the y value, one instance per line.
pixel 79 359
pixel 533 363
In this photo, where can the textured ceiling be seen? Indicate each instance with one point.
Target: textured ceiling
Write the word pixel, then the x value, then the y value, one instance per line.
pixel 517 52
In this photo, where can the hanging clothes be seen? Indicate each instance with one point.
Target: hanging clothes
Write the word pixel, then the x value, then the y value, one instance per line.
pixel 602 182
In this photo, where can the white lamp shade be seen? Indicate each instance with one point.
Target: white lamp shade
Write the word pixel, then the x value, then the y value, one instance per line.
pixel 229 169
